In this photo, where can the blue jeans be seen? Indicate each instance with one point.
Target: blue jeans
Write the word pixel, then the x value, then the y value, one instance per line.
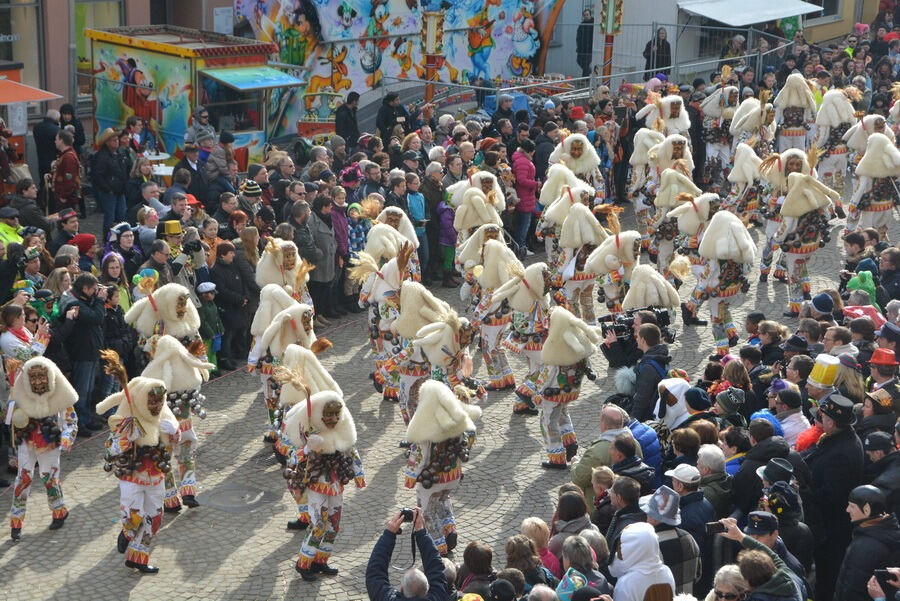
pixel 113 207
pixel 423 252
pixel 83 374
pixel 523 222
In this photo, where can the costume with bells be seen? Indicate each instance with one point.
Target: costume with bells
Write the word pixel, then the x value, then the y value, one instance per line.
pixel 665 114
pixel 300 370
pixel 294 325
pixel 44 424
pixel 140 431
pixel 527 294
pixel 559 176
pixel 718 110
pixel 804 231
pixel 643 178
pixel 775 170
pixel 167 310
pixel 397 219
pixel 280 264
pixel 693 215
pixel 469 257
pixel 833 121
pixel 673 153
pixel 580 235
pixel 493 318
pixel 474 212
pixel 664 229
pixel 380 293
pixel 577 153
pixel 795 111
pixel 730 253
pixel 554 216
pixel 743 199
pixel 753 124
pixel 324 462
pixel 445 344
pixel 441 433
pixel 570 342
pixel 183 374
pixel 612 263
pixel 418 308
pixel 273 298
pixel 876 191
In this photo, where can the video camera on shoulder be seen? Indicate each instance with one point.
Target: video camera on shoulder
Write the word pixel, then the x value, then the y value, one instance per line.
pixel 621 324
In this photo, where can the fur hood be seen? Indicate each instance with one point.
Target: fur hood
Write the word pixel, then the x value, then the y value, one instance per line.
pixel 773 166
pixel 272 299
pixel 716 104
pixel 882 158
pixel 161 306
pixel 558 175
pixel 750 116
pixel 673 182
pixel 176 366
pixel 616 250
pixel 495 267
pixel 661 154
pixel 857 136
pixel 649 289
pixel 406 227
pixel 383 242
pixel 796 92
pixel 644 140
pixel 60 394
pixel 294 325
pixel 835 109
pixel 440 415
pixel 746 165
pixel 656 115
pixel 692 214
pixel 468 254
pixel 474 211
pixel 495 197
pixel 569 339
pixel 672 410
pixel 297 424
pixel 270 267
pixel 418 308
pixel 726 238
pixel 439 341
pixel 525 289
pixel 139 388
pixel 580 228
pixel 569 196
pixel 315 376
pixel 586 163
pixel 806 194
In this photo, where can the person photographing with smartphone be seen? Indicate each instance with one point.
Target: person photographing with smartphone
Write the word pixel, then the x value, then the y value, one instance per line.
pixel 430 585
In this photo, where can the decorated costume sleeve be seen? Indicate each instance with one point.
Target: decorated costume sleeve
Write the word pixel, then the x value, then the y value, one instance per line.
pixel 359 477
pixel 397 360
pixel 118 443
pixel 69 428
pixel 416 462
pixel 481 309
pixel 256 353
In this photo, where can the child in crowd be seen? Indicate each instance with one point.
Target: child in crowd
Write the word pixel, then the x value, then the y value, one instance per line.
pixel 447 242
pixel 602 479
pixel 418 214
pixel 751 325
pixel 537 530
pixel 118 336
pixel 358 229
pixel 211 328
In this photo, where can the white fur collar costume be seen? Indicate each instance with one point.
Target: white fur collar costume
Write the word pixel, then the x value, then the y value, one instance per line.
pixel 525 289
pixel 440 415
pixel 614 252
pixel 291 326
pixel 418 308
pixel 28 404
pixel 378 282
pixel 585 164
pixel 661 155
pixel 716 104
pixel 750 117
pixel 796 93
pixel 495 196
pixel 469 252
pixel 558 175
pixel 163 306
pixel 569 339
pixel 271 268
pixel 176 367
pixel 440 341
pixel 406 227
pixel 474 211
pixel 772 168
pixel 835 109
pixel 726 239
pixel 138 390
pixel 806 194
pixel 580 228
pixel 746 165
pixel 882 158
pixel 649 288
pixel 569 196
pixel 315 376
pixel 383 242
pixel 658 115
pixel 673 182
pixel 298 425
pixel 644 140
pixel 272 299
pixel 495 265
pixel 693 213
pixel 858 135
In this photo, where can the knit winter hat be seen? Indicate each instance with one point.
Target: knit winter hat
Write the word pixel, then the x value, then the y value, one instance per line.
pixel 251 189
pixel 697 399
pixel 730 400
pixel 790 398
pixel 84 242
pixel 823 303
pixel 226 137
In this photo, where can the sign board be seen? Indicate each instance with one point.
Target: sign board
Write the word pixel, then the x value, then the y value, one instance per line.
pixel 223 20
pixel 17 118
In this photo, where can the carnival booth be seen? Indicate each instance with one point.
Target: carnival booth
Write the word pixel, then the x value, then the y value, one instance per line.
pixel 161 72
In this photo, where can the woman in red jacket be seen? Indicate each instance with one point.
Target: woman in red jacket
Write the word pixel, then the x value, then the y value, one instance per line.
pixel 526 189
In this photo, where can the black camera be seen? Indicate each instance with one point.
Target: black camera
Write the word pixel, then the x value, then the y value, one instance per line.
pixel 621 324
pixel 408 514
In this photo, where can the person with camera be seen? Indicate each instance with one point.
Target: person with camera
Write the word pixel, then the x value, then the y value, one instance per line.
pixel 430 585
pixel 642 380
pixel 620 343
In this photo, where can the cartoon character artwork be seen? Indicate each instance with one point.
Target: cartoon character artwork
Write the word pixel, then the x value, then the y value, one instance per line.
pixel 374 44
pixel 346 17
pixel 481 41
pixel 526 39
pixel 138 93
pixel 402 52
pixel 335 80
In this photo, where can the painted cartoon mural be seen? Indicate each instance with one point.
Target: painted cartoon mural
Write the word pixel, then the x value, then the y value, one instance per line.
pixel 361 44
pixel 153 86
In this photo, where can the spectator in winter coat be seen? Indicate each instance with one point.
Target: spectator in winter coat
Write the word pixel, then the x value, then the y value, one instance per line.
pixel 322 230
pixel 211 327
pixel 572 517
pixel 767 576
pixel 625 495
pixel 199 127
pixel 714 481
pixel 415 585
pixel 544 145
pixel 83 338
pixel 612 424
pixel 232 301
pixel 677 547
pixel 433 191
pixel 624 454
pixel 696 511
pixel 109 174
pixel 44 141
pixel 217 163
pixel 526 189
pixel 649 371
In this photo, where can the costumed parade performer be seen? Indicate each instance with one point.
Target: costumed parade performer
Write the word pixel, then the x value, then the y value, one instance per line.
pixel 558 177
pixel 612 263
pixel 167 310
pixel 795 112
pixel 446 346
pixel 397 219
pixel 833 121
pixel 553 216
pixel 644 179
pixel 665 114
pixel 753 124
pixel 664 230
pixel 746 189
pixel 876 194
pixel 718 111
pixel 581 233
pixel 473 212
pixel 692 216
pixel 273 298
pixel 577 153
pixel 280 264
pixel 43 424
pixel 183 374
pixel 441 433
pixel 469 256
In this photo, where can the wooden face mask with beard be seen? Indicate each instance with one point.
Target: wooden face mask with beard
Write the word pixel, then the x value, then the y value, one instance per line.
pixel 181 306
pixel 289 258
pixel 331 413
pixel 39 379
pixel 155 399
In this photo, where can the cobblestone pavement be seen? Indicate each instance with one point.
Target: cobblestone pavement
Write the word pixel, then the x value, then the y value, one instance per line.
pixel 235 545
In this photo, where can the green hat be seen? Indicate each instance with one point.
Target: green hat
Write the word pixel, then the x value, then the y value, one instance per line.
pixel 356 206
pixel 863 281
